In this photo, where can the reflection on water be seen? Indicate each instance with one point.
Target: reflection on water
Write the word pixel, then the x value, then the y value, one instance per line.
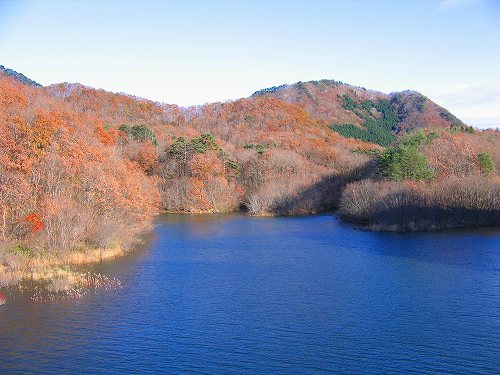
pixel 235 294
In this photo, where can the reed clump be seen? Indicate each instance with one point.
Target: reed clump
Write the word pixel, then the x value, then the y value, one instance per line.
pixel 53 272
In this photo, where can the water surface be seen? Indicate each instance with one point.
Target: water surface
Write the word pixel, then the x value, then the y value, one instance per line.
pixel 235 294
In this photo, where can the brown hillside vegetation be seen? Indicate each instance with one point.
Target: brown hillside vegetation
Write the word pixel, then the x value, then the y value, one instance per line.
pixel 277 148
pixel 323 99
pixel 113 108
pixel 458 185
pixel 62 185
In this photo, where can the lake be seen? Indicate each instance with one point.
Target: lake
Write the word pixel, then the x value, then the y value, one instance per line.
pixel 236 294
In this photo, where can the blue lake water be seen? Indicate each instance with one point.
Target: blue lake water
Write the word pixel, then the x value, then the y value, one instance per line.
pixel 302 295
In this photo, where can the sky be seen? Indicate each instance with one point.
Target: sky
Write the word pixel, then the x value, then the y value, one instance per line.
pixel 194 52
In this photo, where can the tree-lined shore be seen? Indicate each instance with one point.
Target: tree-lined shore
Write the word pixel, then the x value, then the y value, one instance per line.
pixel 85 171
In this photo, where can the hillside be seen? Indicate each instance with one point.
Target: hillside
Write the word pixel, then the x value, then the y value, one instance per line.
pixel 84 171
pixel 277 147
pixel 356 112
pixel 114 108
pixel 351 111
pixel 431 179
pixel 65 191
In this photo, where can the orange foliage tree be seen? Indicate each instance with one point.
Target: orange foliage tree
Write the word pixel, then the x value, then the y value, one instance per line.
pixel 63 183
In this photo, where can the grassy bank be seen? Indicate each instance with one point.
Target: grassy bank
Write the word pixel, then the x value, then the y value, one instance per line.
pixel 54 273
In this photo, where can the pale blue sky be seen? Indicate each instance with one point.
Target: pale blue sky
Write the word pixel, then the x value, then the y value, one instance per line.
pixel 193 52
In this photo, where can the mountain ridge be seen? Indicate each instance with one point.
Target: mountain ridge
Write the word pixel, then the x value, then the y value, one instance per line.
pixel 346 107
pixel 350 110
pixel 19 76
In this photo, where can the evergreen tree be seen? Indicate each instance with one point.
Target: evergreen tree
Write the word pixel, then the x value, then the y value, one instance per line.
pixel 486 163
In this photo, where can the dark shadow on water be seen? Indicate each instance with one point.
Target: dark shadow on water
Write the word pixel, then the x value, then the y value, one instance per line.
pixel 409 217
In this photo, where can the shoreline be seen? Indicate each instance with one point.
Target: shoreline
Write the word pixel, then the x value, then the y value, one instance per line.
pixel 54 273
pixel 363 224
pixel 57 274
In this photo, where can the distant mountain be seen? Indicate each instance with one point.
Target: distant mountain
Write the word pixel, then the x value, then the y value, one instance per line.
pixel 351 111
pixel 19 76
pixel 356 112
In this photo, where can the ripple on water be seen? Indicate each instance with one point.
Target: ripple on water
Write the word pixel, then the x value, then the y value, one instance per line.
pixel 233 294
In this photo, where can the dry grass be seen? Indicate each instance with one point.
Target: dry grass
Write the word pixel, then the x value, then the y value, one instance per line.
pixel 55 272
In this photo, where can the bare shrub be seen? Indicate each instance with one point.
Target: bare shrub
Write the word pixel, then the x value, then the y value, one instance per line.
pixel 469 201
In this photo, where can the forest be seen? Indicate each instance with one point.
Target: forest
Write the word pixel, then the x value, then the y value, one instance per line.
pixel 83 172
